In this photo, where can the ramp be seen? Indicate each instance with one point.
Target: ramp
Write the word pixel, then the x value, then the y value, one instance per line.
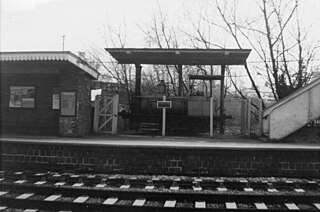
pixel 292 112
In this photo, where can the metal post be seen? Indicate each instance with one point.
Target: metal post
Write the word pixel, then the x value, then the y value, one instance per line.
pixel 164 118
pixel 96 114
pixel 180 92
pixel 211 116
pixel 221 127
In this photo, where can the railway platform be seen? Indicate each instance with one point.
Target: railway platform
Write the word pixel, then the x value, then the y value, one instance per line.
pixel 216 142
pixel 136 154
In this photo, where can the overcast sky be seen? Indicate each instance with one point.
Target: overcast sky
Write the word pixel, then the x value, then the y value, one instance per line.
pixel 39 24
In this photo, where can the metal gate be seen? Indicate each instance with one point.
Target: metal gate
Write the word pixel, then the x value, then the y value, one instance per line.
pixel 106 114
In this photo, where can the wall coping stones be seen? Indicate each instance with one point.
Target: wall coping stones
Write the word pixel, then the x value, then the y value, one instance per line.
pixel 197 143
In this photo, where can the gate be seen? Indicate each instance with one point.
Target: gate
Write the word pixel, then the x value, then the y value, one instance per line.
pixel 106 114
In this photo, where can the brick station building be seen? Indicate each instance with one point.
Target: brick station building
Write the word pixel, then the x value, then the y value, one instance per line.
pixel 45 93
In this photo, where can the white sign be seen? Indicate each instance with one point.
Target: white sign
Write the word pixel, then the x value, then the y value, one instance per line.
pixel 164 104
pixel 55 101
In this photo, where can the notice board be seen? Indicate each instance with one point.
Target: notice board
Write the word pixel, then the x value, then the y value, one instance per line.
pixel 68 103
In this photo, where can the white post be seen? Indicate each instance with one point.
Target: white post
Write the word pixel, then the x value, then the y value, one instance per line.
pixel 164 118
pixel 115 114
pixel 211 116
pixel 96 114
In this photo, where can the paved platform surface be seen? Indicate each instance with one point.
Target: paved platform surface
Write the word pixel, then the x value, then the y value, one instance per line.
pixel 218 142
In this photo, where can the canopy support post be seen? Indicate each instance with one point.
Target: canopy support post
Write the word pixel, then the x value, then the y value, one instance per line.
pixel 138 80
pixel 180 93
pixel 222 116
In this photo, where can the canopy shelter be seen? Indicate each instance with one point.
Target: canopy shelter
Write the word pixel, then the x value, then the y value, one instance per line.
pixel 180 57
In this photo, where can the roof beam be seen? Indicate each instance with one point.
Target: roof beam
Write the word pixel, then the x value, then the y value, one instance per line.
pixel 205 77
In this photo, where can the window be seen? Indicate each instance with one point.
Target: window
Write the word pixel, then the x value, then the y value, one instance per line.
pixel 22 97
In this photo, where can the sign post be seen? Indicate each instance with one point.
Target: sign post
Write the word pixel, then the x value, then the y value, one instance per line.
pixel 164 104
pixel 164 119
pixel 211 116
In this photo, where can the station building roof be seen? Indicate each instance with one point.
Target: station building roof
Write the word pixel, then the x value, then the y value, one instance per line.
pixel 179 56
pixel 57 56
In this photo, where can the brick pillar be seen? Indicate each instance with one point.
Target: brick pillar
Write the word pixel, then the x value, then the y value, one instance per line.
pixel 80 124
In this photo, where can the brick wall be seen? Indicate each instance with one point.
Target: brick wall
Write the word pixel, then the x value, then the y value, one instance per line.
pixel 128 160
pixel 39 120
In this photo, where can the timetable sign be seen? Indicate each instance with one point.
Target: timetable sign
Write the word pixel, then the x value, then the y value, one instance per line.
pixel 164 104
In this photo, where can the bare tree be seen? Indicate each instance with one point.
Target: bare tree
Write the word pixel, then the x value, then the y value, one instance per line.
pixel 230 26
pixel 109 69
pixel 281 45
pixel 163 35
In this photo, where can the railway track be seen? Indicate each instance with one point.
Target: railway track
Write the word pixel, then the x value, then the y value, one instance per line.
pixel 47 192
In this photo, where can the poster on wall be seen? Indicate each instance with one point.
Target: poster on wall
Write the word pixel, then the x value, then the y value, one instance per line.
pixel 55 101
pixel 22 96
pixel 68 103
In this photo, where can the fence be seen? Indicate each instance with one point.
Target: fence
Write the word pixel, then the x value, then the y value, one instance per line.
pixel 251 117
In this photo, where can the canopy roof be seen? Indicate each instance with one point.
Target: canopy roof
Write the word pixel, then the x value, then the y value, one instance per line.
pixel 180 56
pixel 41 56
